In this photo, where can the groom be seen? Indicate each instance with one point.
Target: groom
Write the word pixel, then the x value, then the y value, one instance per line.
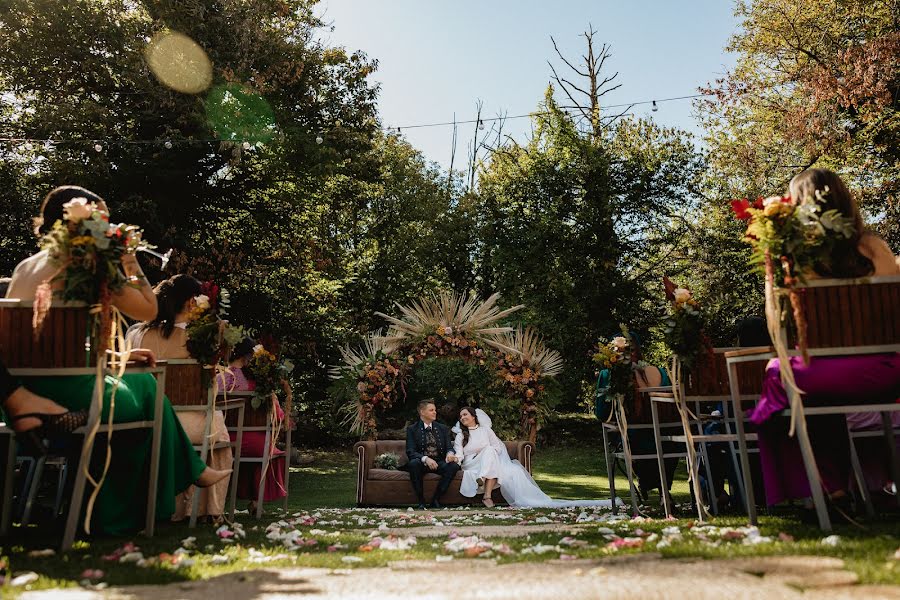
pixel 429 450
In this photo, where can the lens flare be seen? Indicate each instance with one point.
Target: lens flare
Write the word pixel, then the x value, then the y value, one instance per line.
pixel 179 63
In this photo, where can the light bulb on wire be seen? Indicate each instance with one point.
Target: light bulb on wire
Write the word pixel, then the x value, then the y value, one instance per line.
pixel 98 147
pixel 319 139
pixel 654 107
pixel 168 145
pixel 480 124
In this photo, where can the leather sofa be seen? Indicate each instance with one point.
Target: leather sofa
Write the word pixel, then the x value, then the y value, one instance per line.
pixel 388 487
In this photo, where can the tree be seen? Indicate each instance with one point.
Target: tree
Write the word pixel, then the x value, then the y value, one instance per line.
pixel 816 83
pixel 578 223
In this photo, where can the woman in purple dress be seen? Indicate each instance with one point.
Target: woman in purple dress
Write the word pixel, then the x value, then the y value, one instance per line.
pixel 864 379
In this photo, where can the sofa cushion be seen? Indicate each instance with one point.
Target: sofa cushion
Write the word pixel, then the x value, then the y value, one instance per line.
pixel 394 475
pixel 388 475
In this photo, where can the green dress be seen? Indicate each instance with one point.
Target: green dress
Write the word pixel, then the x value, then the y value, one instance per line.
pixel 121 504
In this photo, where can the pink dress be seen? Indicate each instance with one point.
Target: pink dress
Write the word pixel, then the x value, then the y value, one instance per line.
pixel 873 378
pixel 253 444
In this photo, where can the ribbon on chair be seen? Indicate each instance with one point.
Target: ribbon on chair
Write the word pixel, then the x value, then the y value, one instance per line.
pixel 775 315
pixel 684 413
pixel 110 319
pixel 622 425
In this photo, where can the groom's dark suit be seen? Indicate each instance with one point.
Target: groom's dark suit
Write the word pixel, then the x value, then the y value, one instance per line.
pixel 433 442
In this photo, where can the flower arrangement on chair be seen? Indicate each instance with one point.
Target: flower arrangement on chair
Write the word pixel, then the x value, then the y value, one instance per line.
pixel 269 373
pixel 614 355
pixel 683 326
pixel 790 237
pixel 89 250
pixel 210 337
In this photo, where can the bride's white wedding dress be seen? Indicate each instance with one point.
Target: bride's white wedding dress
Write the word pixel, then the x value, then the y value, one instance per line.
pixel 486 457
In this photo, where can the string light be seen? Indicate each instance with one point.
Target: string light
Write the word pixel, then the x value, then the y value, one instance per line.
pixel 480 123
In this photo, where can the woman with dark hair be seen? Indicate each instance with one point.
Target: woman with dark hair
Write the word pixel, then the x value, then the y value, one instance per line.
pixel 486 465
pixel 166 336
pixel 850 379
pixel 239 378
pixel 116 510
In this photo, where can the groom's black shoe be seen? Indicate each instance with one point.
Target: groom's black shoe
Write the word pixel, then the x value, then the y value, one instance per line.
pixel 435 503
pixel 421 506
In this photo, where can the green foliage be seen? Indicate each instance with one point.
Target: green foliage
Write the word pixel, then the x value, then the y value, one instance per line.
pixel 578 228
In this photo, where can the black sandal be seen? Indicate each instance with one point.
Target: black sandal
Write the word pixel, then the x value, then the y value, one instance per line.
pixel 52 426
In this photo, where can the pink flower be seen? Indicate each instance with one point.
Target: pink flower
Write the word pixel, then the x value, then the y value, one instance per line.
pixel 78 209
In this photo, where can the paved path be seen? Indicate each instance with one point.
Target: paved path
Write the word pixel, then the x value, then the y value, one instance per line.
pixel 644 576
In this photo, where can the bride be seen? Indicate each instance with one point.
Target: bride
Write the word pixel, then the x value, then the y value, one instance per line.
pixel 486 464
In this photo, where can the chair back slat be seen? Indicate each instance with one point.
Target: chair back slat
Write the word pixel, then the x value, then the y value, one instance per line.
pixel 709 377
pixel 184 385
pixel 253 417
pixel 848 314
pixel 65 341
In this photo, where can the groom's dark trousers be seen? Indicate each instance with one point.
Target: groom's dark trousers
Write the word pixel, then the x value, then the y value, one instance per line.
pixel 416 448
pixel 417 471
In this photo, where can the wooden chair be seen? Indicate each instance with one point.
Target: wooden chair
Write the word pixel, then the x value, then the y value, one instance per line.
pixel 844 318
pixel 185 390
pixel 66 348
pixel 639 422
pixel 260 420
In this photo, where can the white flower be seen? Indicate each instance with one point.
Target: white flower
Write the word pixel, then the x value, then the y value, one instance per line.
pixel 257 349
pixel 202 301
pixel 620 342
pixel 682 295
pixel 78 209
pixel 771 200
pixel 448 331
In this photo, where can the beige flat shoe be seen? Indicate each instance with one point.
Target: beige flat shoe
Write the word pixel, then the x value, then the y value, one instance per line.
pixel 488 502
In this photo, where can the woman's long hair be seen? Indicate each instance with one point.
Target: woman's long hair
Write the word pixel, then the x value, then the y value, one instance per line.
pixel 465 430
pixel 846 260
pixel 171 296
pixel 52 205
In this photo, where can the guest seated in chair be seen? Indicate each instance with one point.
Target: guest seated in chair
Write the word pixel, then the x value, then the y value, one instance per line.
pixel 116 511
pixel 430 450
pixel 860 379
pixel 165 336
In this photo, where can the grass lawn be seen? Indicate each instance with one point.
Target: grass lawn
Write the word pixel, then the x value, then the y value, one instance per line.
pixel 331 535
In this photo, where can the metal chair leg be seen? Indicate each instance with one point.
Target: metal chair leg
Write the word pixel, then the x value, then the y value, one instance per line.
pixel 860 478
pixel 610 470
pixel 155 452
pixel 812 472
pixel 742 442
pixel 660 461
pixel 8 480
pixel 264 469
pixel 892 448
pixel 32 488
pixel 235 475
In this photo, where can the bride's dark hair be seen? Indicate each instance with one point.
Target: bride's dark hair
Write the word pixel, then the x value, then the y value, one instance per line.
pixel 463 428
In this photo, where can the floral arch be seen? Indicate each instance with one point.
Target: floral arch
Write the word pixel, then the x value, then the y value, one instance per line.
pixel 374 377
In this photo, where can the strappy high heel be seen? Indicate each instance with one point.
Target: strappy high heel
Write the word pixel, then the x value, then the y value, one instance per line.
pixel 52 426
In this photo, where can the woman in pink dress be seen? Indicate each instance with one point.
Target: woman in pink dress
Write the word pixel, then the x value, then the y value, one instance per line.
pixel 253 443
pixel 873 378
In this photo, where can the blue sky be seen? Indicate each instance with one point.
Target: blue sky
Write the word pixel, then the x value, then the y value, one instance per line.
pixel 440 57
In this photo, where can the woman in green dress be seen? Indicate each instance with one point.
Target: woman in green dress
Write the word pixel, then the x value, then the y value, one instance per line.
pixel 119 507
